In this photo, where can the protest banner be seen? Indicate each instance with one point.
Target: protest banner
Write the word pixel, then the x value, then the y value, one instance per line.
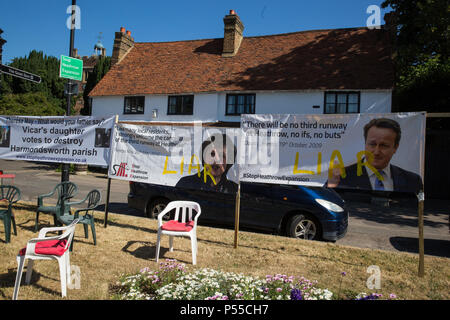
pixel 317 150
pixel 79 140
pixel 183 156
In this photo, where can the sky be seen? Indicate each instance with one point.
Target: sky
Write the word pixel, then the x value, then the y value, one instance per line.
pixel 41 24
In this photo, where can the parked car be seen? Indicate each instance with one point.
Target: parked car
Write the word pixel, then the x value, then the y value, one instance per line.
pixel 293 211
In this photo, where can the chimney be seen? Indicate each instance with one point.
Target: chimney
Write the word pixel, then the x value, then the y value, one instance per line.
pixel 123 42
pixel 233 31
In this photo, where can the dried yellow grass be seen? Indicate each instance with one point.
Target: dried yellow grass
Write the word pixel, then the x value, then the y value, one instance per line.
pixel 128 243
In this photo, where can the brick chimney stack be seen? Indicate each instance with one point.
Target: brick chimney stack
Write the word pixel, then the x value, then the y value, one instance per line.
pixel 2 42
pixel 123 42
pixel 233 34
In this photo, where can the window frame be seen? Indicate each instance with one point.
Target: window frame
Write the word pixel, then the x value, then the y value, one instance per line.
pixel 336 93
pixel 236 95
pixel 130 109
pixel 182 97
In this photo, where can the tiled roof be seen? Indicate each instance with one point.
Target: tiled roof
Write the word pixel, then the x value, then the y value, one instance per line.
pixel 356 58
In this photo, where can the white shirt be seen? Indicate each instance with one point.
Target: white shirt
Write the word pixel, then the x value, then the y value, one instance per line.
pixel 387 182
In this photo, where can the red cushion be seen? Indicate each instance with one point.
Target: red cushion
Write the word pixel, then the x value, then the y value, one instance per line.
pixel 49 247
pixel 173 225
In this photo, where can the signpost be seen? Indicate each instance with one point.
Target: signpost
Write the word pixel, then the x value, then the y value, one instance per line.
pixel 71 68
pixel 19 73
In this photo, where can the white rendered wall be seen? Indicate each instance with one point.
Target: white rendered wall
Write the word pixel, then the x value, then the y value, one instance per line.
pixel 210 107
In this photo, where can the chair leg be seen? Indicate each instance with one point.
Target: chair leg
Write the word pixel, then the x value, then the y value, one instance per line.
pixel 13 220
pixel 68 266
pixel 36 223
pixel 29 271
pixel 94 236
pixel 20 263
pixel 158 244
pixel 86 231
pixel 194 248
pixel 63 275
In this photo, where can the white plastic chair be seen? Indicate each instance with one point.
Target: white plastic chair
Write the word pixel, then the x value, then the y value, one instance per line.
pixel 47 248
pixel 186 226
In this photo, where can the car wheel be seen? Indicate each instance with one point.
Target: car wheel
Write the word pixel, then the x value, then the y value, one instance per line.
pixel 303 226
pixel 156 207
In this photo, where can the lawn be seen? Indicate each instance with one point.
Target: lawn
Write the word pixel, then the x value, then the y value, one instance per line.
pixel 127 245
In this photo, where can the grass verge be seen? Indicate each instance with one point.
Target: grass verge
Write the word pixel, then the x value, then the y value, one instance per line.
pixel 128 243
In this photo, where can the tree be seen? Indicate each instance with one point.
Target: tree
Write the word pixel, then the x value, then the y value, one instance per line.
pixel 422 59
pixel 51 88
pixel 101 68
pixel 29 104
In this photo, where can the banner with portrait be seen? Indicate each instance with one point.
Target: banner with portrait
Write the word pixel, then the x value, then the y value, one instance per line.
pixel 79 140
pixel 357 151
pixel 191 156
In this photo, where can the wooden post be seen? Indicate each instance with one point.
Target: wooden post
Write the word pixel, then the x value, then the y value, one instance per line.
pixel 421 198
pixel 108 188
pixel 236 215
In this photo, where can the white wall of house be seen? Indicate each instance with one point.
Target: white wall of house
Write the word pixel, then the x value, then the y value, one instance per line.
pixel 210 107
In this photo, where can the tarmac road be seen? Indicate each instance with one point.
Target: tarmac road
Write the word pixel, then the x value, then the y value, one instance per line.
pixel 371 225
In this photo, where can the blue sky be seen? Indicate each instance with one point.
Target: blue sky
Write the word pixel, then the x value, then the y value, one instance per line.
pixel 41 25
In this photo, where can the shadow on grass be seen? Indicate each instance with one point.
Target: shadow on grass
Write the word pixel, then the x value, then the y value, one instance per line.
pixel 147 250
pixel 9 280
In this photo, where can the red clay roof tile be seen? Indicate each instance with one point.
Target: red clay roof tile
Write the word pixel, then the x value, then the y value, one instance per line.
pixel 356 58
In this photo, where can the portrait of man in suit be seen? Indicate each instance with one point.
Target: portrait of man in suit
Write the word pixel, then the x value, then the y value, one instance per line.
pixel 382 139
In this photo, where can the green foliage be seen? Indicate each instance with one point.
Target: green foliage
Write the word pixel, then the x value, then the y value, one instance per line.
pixel 422 54
pixel 101 68
pixel 30 104
pixel 29 98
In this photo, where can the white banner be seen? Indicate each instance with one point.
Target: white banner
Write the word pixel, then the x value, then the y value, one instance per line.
pixel 182 156
pixel 79 140
pixel 364 151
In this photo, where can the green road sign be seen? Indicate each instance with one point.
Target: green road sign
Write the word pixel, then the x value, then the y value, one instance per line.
pixel 71 68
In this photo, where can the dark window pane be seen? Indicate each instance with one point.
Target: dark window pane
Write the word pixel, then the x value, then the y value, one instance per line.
pixel 353 98
pixel 330 108
pixel 352 108
pixel 330 97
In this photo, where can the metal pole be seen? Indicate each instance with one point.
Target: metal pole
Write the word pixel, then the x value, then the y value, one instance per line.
pixel 108 192
pixel 108 188
pixel 236 218
pixel 65 166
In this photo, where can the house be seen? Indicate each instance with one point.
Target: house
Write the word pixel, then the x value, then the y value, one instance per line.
pixel 216 80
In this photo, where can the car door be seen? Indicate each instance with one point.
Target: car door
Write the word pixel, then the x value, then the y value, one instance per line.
pixel 256 206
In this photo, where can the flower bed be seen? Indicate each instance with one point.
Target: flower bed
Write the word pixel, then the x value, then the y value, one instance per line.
pixel 173 282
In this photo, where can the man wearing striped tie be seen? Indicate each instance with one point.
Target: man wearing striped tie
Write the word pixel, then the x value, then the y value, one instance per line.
pixel 382 138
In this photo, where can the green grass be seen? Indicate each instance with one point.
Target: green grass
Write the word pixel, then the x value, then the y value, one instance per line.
pixel 128 243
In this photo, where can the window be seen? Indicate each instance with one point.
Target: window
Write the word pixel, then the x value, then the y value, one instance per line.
pixel 181 105
pixel 342 102
pixel 133 105
pixel 238 104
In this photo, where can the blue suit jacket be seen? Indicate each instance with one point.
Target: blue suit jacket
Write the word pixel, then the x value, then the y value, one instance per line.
pixel 404 181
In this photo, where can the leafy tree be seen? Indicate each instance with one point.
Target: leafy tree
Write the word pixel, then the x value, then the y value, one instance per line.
pixel 30 104
pixel 422 59
pixel 51 88
pixel 101 68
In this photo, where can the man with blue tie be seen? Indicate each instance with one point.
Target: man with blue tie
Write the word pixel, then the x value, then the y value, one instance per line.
pixel 382 138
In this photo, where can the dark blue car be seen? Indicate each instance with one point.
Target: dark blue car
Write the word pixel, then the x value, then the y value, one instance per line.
pixel 293 211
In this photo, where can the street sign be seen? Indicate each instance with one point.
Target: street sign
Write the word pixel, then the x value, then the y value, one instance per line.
pixel 19 73
pixel 71 68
